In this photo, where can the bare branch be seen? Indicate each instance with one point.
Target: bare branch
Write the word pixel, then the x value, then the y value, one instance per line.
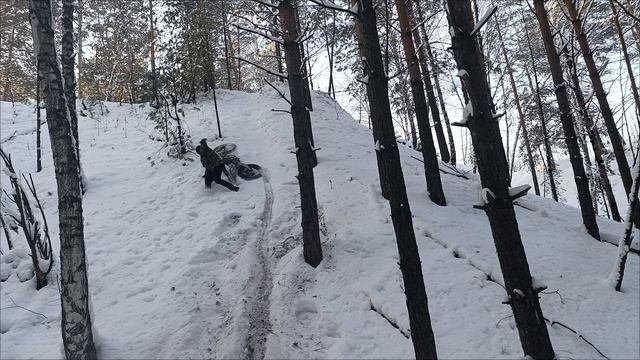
pixel 277 74
pixel 257 32
pixel 627 11
pixel 278 91
pixel 331 6
pixel 484 20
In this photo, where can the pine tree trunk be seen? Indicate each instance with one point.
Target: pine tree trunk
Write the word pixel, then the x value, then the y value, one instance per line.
pixel 384 135
pixel 588 167
pixel 601 96
pixel 579 175
pixel 431 165
pixel 226 44
pixel 301 125
pixel 523 124
pixel 492 165
pixel 551 165
pixel 594 138
pixel 76 320
pixel 419 38
pixel 625 54
pixel 405 90
pixel 436 81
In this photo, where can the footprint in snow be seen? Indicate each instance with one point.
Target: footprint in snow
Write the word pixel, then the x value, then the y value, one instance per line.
pixel 306 310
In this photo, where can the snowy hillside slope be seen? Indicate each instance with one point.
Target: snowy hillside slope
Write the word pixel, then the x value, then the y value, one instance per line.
pixel 180 271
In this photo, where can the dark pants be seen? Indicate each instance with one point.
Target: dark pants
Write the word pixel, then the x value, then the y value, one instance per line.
pixel 214 175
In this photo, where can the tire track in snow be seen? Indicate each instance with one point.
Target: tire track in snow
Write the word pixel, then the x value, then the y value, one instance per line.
pixel 259 308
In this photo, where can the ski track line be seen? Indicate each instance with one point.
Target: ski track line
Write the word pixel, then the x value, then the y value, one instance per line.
pixel 259 308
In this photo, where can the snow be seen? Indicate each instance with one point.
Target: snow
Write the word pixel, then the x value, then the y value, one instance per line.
pixel 180 271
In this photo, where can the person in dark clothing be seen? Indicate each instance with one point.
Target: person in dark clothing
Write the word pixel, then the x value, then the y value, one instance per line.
pixel 213 165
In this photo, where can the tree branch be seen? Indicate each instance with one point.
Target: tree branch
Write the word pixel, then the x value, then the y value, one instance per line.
pixel 278 91
pixel 277 74
pixel 257 32
pixel 331 6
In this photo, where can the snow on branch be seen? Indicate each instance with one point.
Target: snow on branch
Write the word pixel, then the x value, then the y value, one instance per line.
pixel 277 74
pixel 487 15
pixel 258 32
pixel 331 6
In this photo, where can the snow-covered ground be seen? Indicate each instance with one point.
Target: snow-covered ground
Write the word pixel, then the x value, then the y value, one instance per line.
pixel 180 271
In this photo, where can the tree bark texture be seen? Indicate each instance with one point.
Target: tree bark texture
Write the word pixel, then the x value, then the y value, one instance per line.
pixel 431 166
pixel 419 38
pixel 624 245
pixel 77 334
pixel 384 135
pixel 523 124
pixel 301 125
pixel 152 56
pixel 436 73
pixel 551 165
pixel 38 124
pixel 579 175
pixel 627 61
pixel 601 96
pixel 494 176
pixel 67 58
pixel 594 138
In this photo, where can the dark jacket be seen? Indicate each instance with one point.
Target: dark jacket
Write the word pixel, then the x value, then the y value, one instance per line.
pixel 209 158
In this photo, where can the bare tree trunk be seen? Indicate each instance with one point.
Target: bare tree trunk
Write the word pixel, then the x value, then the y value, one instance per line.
pixel 420 38
pixel 551 165
pixel 625 54
pixel 436 74
pixel 6 232
pixel 432 170
pixel 238 63
pixel 635 27
pixel 594 138
pixel 278 50
pixel 384 135
pixel 579 175
pixel 523 124
pixel 76 320
pixel 68 74
pixel 593 181
pixel 492 165
pixel 301 125
pixel 38 123
pixel 226 45
pixel 329 47
pixel 80 37
pixel 152 57
pixel 624 245
pixel 7 85
pixel 601 95
pixel 404 84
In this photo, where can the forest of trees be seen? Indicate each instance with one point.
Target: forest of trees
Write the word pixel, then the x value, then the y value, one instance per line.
pixel 499 86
